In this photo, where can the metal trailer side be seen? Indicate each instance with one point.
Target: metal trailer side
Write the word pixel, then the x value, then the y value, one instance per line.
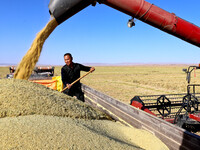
pixel 173 136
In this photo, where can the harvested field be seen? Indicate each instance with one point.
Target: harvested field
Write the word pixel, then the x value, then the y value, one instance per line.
pixel 36 117
pixel 125 82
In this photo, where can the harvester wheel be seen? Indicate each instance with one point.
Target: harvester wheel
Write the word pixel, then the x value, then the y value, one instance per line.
pixel 190 101
pixel 163 105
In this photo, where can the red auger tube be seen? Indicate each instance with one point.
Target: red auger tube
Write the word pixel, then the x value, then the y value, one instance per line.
pixel 158 18
pixel 140 9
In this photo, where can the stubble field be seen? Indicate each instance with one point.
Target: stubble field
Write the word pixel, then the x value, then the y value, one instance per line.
pixel 125 82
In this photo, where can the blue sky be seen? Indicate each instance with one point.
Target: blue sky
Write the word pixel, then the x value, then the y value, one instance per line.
pixel 95 35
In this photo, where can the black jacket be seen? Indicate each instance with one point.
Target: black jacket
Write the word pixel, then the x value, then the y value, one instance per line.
pixel 69 74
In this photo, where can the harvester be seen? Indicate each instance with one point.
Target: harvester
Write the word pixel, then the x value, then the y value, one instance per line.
pixel 42 75
pixel 179 109
pixel 173 136
pixel 38 73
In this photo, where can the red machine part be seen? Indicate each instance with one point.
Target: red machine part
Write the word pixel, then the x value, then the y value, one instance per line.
pixel 158 18
pixel 44 67
pixel 140 9
pixel 195 116
pixel 140 106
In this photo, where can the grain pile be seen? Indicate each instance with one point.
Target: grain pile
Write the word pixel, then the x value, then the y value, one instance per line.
pixel 36 117
pixel 20 97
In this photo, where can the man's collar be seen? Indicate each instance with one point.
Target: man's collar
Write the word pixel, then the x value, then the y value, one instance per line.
pixel 70 66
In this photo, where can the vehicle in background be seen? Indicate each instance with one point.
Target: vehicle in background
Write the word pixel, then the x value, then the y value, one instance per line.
pixel 179 109
pixel 39 72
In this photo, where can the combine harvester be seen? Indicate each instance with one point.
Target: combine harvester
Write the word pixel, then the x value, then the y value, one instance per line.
pixel 38 73
pixel 179 109
pixel 160 124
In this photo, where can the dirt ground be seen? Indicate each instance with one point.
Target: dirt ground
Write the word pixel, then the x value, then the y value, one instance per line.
pixel 36 117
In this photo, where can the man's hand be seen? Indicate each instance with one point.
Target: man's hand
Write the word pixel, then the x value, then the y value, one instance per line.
pixel 92 69
pixel 69 86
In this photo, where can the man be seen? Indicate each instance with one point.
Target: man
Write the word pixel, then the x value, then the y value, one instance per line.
pixel 71 72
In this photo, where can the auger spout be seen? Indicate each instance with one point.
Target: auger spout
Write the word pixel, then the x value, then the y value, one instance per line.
pixel 61 10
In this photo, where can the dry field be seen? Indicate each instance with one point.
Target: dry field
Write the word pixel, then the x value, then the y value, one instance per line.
pixel 124 82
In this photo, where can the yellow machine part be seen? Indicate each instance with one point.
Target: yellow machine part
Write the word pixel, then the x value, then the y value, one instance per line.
pixel 59 82
pixel 55 83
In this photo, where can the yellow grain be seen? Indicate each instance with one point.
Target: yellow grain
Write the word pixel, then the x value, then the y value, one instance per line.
pixel 29 61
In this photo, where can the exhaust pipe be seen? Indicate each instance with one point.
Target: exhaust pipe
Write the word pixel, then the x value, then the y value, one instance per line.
pixel 61 10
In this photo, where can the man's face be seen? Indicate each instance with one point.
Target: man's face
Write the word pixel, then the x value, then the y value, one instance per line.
pixel 68 60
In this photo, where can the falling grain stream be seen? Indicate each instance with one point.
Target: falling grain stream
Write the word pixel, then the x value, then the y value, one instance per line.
pixel 29 61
